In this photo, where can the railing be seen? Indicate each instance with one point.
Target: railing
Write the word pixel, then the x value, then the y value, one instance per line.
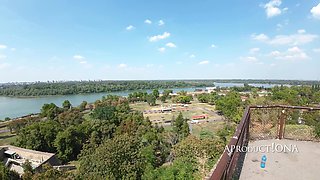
pixel 252 128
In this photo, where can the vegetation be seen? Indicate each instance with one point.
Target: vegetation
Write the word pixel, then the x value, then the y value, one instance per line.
pixel 79 87
pixel 115 142
pixel 231 106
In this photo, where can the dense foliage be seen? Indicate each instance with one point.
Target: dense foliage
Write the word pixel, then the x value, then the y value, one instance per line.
pixel 231 106
pixel 79 87
pixel 114 142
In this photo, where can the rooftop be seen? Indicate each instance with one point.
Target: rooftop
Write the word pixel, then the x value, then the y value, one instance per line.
pixel 288 165
pixel 14 157
pixel 282 134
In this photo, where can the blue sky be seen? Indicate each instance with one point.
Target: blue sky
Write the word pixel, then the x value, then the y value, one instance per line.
pixel 142 39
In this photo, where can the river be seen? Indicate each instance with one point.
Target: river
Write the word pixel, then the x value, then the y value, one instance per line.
pixel 16 107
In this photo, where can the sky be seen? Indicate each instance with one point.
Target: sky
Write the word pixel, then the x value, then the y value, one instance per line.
pixel 143 39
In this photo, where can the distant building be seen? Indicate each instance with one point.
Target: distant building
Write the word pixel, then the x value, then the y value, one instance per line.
pixel 198 90
pixel 263 93
pixel 14 157
pixel 203 116
pixel 211 89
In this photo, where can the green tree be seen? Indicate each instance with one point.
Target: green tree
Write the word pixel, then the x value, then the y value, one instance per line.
pixel 83 105
pixel 70 117
pixel 66 105
pixel 39 136
pixel 28 171
pixel 50 111
pixel 156 93
pixel 6 174
pixel 151 100
pixel 105 113
pixel 230 105
pixel 48 172
pixel 69 143
pixel 117 158
pixel 181 127
pixel 163 99
pixel 167 92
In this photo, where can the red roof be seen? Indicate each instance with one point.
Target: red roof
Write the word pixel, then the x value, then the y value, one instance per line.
pixel 200 116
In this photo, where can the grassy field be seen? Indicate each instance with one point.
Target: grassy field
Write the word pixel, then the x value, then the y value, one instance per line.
pixel 212 127
pixel 7 138
pixel 193 109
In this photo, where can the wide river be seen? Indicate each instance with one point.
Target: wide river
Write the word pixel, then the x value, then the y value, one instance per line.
pixel 16 107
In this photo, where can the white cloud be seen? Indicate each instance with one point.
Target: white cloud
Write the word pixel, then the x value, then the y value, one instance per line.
pixel 317 50
pixel 161 23
pixel 204 62
pixel 192 56
pixel 272 8
pixel 171 45
pixel 179 62
pixel 130 27
pixel 260 37
pixel 315 11
pixel 213 46
pixel 275 53
pixel 2 46
pixel 162 49
pixel 13 49
pixel 122 65
pixel 301 31
pixel 80 59
pixel 293 53
pixel 293 39
pixel 254 50
pixel 148 21
pixel 249 59
pixel 149 65
pixel 159 37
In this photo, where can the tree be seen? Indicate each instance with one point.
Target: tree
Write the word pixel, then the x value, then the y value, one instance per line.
pixel 48 172
pixel 183 99
pixel 66 105
pixel 180 169
pixel 6 174
pixel 151 100
pixel 69 143
pixel 117 158
pixel 70 117
pixel 156 93
pixel 83 105
pixel 163 99
pixel 50 111
pixel 39 136
pixel 167 92
pixel 105 113
pixel 7 119
pixel 28 171
pixel 230 105
pixel 181 126
pixel 183 93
